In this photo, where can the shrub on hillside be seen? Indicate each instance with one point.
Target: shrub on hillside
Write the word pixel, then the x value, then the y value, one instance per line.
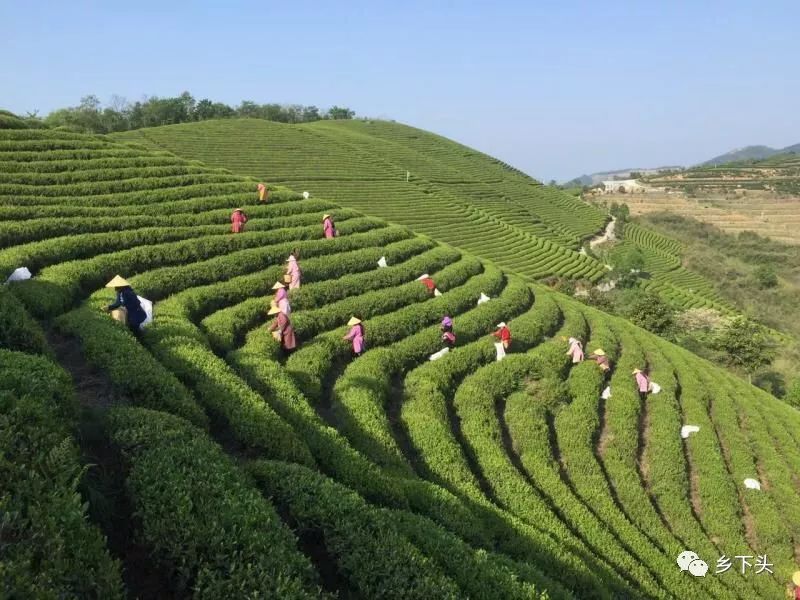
pixel 746 344
pixel 649 311
pixel 765 277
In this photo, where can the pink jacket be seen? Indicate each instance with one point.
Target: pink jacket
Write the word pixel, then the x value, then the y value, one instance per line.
pixel 327 227
pixel 642 382
pixel 293 270
pixel 576 352
pixel 356 335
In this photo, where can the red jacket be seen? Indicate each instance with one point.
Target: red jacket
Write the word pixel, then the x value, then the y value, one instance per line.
pixel 504 333
pixel 429 283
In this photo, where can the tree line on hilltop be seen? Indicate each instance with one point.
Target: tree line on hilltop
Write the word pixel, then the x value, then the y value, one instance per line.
pixel 119 114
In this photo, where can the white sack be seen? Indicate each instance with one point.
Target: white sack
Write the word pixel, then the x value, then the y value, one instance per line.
pixel 483 298
pixel 654 387
pixel 501 351
pixel 20 274
pixel 752 484
pixel 687 430
pixel 439 354
pixel 606 393
pixel 306 195
pixel 382 262
pixel 147 306
pixel 436 292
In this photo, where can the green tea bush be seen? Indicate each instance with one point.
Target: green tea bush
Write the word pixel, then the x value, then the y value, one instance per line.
pixel 49 549
pixel 206 525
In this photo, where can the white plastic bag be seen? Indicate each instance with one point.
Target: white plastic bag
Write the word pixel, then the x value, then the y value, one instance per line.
pixel 436 292
pixel 382 262
pixel 20 274
pixel 306 195
pixel 439 354
pixel 483 298
pixel 688 430
pixel 654 387
pixel 606 393
pixel 501 351
pixel 752 484
pixel 147 306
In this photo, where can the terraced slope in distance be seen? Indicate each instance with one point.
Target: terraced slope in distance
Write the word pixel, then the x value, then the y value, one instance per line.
pixel 480 479
pixel 454 194
pixel 440 188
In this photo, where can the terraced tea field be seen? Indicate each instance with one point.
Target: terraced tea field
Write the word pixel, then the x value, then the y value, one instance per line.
pixel 454 194
pixel 223 469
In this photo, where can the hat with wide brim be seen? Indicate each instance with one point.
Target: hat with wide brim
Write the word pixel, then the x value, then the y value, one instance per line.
pixel 278 286
pixel 796 578
pixel 117 282
pixel 423 276
pixel 501 324
pixel 573 340
pixel 636 371
pixel 326 216
pixel 291 258
pixel 599 352
pixel 274 310
pixel 353 321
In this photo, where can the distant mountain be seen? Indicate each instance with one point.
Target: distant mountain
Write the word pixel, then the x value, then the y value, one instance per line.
pixel 746 153
pixel 596 178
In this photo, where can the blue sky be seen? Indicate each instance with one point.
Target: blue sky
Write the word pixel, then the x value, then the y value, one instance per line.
pixel 555 88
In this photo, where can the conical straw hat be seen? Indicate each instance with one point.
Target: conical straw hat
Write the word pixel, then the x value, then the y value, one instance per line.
pixel 423 276
pixel 274 310
pixel 325 216
pixel 117 282
pixel 636 371
pixel 796 578
pixel 501 324
pixel 278 286
pixel 599 352
pixel 353 321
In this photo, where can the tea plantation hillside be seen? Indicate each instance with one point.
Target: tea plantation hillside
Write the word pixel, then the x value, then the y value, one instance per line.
pixel 454 194
pixel 199 461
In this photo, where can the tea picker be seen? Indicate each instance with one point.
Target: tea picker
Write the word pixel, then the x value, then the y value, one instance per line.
pixel 282 330
pixel 238 219
pixel 328 228
pixel 356 336
pixel 127 306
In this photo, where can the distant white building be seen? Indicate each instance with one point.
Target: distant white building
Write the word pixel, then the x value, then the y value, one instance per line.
pixel 628 185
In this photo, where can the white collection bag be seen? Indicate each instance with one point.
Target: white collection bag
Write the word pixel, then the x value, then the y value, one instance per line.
pixel 306 195
pixel 20 274
pixel 752 484
pixel 147 306
pixel 654 387
pixel 382 262
pixel 436 292
pixel 688 430
pixel 439 354
pixel 483 298
pixel 606 393
pixel 501 351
